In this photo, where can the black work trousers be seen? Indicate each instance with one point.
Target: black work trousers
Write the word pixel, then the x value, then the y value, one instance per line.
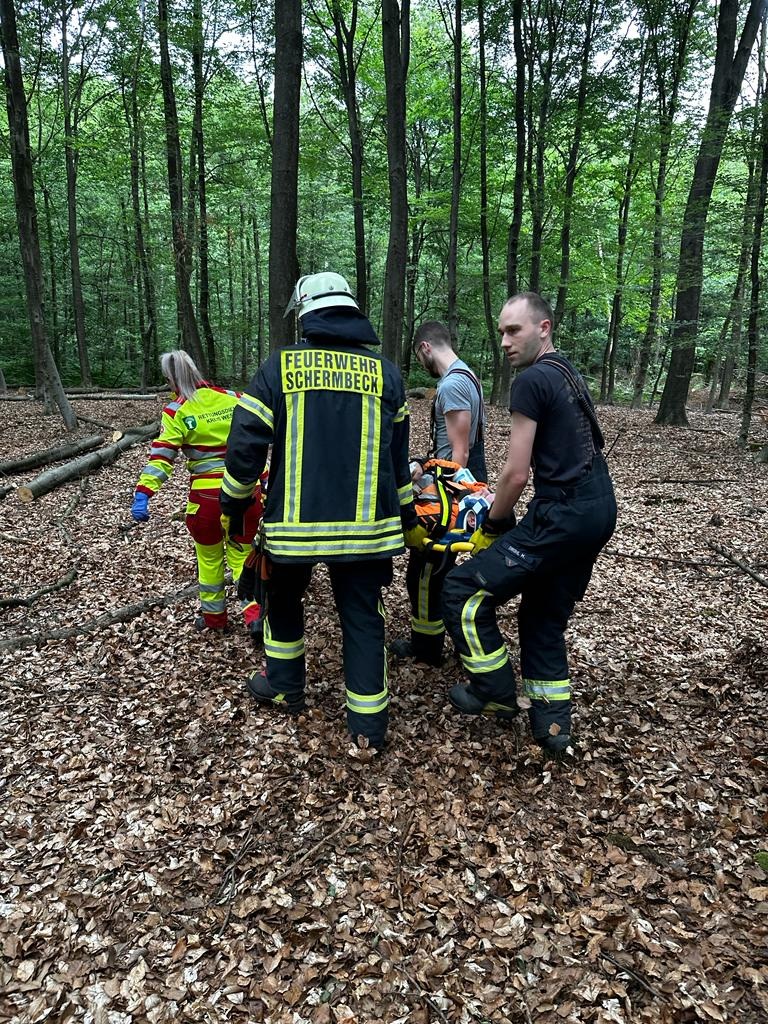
pixel 424 580
pixel 547 559
pixel 357 594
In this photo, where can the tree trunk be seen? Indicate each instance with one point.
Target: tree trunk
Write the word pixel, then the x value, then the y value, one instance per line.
pixel 726 85
pixel 485 243
pixel 70 155
pixel 56 454
pixel 614 329
pixel 679 30
pixel 54 303
pixel 453 226
pixel 205 287
pixel 181 254
pixel 537 135
pixel 283 261
pixel 344 39
pixel 396 37
pixel 26 211
pixel 259 289
pixel 753 328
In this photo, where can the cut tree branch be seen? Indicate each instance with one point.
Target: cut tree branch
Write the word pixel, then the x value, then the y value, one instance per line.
pixel 107 619
pixel 86 464
pixel 738 562
pixel 57 454
pixel 25 602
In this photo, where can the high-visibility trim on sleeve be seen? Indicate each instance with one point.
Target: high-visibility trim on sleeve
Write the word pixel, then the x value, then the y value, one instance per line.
pixel 234 488
pixel 402 413
pixel 405 494
pixel 258 408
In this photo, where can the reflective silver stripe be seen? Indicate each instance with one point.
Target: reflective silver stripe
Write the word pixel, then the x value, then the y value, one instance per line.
pixel 293 442
pixel 401 413
pixel 209 605
pixel 211 466
pixel 322 548
pixel 370 409
pixel 234 488
pixel 405 494
pixel 368 705
pixel 486 662
pixel 544 689
pixel 258 408
pixel 427 627
pixel 198 453
pixel 156 471
pixel 298 530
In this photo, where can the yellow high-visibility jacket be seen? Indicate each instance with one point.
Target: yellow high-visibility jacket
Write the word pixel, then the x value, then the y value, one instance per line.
pixel 198 428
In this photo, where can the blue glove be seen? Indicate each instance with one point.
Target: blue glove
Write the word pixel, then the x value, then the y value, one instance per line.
pixel 140 507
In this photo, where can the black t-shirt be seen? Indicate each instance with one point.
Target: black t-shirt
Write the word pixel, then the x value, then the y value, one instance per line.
pixel 563 447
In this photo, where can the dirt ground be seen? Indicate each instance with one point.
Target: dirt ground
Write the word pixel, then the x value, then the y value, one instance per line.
pixel 169 851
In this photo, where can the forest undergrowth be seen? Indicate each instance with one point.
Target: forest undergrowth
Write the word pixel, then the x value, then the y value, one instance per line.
pixel 170 851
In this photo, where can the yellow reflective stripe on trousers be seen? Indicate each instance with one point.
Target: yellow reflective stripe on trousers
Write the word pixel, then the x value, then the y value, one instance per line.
pixel 370 442
pixel 422 602
pixel 427 627
pixel 368 704
pixel 468 628
pixel 294 454
pixel 284 650
pixel 547 689
pixel 485 662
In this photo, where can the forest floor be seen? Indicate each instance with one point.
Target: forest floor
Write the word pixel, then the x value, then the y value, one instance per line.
pixel 170 851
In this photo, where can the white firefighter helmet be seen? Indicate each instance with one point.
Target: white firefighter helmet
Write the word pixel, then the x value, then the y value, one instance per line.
pixel 317 291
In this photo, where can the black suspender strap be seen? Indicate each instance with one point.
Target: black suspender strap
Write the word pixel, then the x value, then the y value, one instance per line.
pixel 480 436
pixel 586 405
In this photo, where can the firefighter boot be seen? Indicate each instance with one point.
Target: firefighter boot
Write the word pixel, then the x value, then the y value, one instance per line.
pixel 551 725
pixel 403 648
pixel 262 690
pixel 468 703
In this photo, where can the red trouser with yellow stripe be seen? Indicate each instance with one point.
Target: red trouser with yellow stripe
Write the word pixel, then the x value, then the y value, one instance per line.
pixel 214 555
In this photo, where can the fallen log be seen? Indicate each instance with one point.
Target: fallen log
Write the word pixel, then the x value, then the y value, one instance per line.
pixel 25 602
pixel 116 398
pixel 739 563
pixel 124 614
pixel 4 491
pixel 86 464
pixel 57 454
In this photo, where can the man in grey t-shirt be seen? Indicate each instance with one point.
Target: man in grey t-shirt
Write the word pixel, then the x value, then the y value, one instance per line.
pixel 457 423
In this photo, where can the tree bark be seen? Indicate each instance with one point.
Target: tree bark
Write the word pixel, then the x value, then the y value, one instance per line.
pixel 86 464
pixel 726 85
pixel 658 35
pixel 57 454
pixel 205 286
pixel 396 38
pixel 71 158
pixel 26 210
pixel 485 243
pixel 283 260
pixel 259 289
pixel 181 247
pixel 453 225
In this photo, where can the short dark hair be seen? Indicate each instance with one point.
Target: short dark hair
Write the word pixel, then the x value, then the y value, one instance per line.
pixel 537 304
pixel 434 332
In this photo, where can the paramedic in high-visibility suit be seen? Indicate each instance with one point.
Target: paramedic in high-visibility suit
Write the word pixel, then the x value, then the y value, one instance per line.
pixel 333 412
pixel 196 423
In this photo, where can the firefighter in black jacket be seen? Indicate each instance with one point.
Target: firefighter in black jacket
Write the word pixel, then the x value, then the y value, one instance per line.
pixel 549 555
pixel 335 415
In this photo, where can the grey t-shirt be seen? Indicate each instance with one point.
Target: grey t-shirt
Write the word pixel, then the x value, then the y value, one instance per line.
pixel 455 392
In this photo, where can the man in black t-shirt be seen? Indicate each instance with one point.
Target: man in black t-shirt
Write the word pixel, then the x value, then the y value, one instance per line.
pixel 546 558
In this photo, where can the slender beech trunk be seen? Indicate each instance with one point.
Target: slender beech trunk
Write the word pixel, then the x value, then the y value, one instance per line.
pixel 205 286
pixel 667 100
pixel 26 211
pixel 259 289
pixel 181 258
pixel 453 226
pixel 608 381
pixel 537 136
pixel 344 39
pixel 233 329
pixel 71 160
pixel 396 39
pixel 726 85
pixel 572 165
pixel 54 303
pixel 283 261
pixel 248 333
pixel 753 328
pixel 243 332
pixel 485 243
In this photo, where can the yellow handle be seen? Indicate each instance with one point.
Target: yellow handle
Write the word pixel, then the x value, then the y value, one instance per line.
pixel 457 545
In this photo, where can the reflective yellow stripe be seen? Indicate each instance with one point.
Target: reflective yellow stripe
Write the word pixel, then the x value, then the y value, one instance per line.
pixel 427 627
pixel 294 455
pixel 233 487
pixel 485 662
pixel 422 602
pixel 468 628
pixel 547 689
pixel 401 413
pixel 405 494
pixel 364 468
pixel 253 405
pixel 368 704
pixel 326 548
pixel 354 529
pixel 284 650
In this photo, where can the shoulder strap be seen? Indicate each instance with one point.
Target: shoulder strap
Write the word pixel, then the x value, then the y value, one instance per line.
pixel 481 415
pixel 552 359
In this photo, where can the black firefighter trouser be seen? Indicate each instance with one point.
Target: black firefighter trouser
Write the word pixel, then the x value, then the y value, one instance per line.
pixel 547 559
pixel 424 580
pixel 357 593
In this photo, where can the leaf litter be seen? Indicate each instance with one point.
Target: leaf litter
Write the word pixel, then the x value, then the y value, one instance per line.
pixel 170 851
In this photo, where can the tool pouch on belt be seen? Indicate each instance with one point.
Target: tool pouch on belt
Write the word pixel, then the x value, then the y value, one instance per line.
pixel 251 586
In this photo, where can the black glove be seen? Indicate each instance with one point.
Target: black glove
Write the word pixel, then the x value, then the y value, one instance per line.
pixel 232 524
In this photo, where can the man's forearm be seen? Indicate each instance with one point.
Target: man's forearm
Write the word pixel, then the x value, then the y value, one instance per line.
pixel 460 454
pixel 508 490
